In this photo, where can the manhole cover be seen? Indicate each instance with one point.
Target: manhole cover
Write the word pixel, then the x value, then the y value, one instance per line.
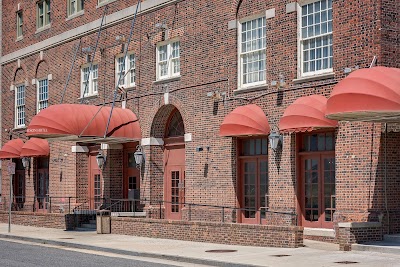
pixel 346 262
pixel 66 238
pixel 280 255
pixel 221 250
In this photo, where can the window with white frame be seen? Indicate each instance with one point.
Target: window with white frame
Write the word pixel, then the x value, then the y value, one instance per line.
pixel 103 2
pixel 74 6
pixel 252 44
pixel 125 70
pixel 42 13
pixel 20 105
pixel 168 59
pixel 316 49
pixel 89 80
pixel 19 24
pixel 42 94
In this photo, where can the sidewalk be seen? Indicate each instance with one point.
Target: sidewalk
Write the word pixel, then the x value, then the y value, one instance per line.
pixel 315 254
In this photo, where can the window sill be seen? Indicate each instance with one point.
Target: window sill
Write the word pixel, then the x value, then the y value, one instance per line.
pixel 89 97
pixel 20 128
pixel 43 28
pixel 77 14
pixel 166 80
pixel 104 3
pixel 129 88
pixel 19 39
pixel 249 89
pixel 313 78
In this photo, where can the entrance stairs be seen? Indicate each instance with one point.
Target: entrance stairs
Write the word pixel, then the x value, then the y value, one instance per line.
pixel 389 244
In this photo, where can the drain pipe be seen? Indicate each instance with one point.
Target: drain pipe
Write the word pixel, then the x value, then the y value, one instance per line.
pixel 385 183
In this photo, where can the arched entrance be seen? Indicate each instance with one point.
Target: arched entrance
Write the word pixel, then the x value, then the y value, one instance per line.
pixel 174 166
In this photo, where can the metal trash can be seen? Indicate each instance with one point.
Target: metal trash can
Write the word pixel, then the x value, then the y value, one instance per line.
pixel 103 222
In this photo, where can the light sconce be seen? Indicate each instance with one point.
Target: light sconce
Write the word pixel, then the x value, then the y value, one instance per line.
pixel 87 50
pixel 275 140
pixel 139 156
pixel 26 162
pixel 162 26
pixel 120 38
pixel 101 159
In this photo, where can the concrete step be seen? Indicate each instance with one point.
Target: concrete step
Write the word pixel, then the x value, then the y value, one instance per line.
pixel 392 238
pixel 381 247
pixel 84 229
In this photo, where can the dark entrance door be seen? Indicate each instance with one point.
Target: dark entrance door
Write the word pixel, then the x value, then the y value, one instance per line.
pixel 19 185
pixel 95 192
pixel 131 180
pixel 253 180
pixel 42 184
pixel 317 181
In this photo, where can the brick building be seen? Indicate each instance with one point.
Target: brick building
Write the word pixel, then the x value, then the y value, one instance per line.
pixel 203 88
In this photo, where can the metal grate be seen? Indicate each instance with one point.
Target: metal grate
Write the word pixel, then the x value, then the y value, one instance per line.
pixel 346 262
pixel 221 250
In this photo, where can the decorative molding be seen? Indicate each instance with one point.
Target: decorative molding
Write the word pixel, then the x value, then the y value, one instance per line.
pixel 232 24
pixel 151 141
pixel 166 98
pixel 359 224
pixel 291 7
pixel 270 13
pixel 79 149
pixel 188 137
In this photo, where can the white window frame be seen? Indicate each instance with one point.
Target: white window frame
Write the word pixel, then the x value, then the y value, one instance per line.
pixel 170 60
pixel 241 84
pixel 40 100
pixel 20 23
pixel 46 14
pixel 20 106
pixel 74 7
pixel 104 2
pixel 130 66
pixel 93 81
pixel 300 67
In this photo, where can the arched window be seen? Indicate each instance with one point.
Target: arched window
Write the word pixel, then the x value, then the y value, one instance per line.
pixel 175 127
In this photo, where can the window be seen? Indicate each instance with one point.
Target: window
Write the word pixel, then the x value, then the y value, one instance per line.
pixel 89 84
pixel 74 7
pixel 43 14
pixel 43 94
pixel 127 77
pixel 20 106
pixel 316 51
pixel 252 35
pixel 103 2
pixel 19 24
pixel 168 60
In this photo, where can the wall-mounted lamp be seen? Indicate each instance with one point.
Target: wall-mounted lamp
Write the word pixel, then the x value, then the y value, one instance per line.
pixel 162 25
pixel 26 162
pixel 120 38
pixel 139 156
pixel 87 50
pixel 101 159
pixel 275 140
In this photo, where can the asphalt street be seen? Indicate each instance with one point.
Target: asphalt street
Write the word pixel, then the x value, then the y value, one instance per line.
pixel 27 255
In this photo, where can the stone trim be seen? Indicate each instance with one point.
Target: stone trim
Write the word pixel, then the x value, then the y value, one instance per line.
pixel 319 232
pixel 359 224
pixel 79 149
pixel 151 141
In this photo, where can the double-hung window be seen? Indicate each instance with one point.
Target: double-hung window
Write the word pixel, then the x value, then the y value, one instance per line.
pixel 252 44
pixel 125 70
pixel 19 24
pixel 42 14
pixel 89 80
pixel 168 60
pixel 316 50
pixel 42 94
pixel 74 7
pixel 20 106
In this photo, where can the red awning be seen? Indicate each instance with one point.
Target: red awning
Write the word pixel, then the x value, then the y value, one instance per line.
pixel 371 94
pixel 306 114
pixel 75 122
pixel 35 147
pixel 11 149
pixel 244 121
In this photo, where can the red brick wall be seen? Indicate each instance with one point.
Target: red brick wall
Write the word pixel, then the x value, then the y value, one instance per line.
pixel 47 220
pixel 234 234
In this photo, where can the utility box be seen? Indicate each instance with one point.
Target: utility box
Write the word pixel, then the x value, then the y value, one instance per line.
pixel 103 222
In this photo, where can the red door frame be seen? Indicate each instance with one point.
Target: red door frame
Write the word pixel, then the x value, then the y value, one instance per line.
pixel 178 164
pixel 129 171
pixel 241 214
pixel 300 183
pixel 93 170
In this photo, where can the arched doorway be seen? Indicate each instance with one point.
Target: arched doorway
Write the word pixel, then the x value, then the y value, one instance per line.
pixel 174 166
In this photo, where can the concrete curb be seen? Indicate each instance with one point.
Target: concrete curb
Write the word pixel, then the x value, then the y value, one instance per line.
pixel 127 252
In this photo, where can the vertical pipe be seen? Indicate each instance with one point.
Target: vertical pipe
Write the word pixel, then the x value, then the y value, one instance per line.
pixel 10 203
